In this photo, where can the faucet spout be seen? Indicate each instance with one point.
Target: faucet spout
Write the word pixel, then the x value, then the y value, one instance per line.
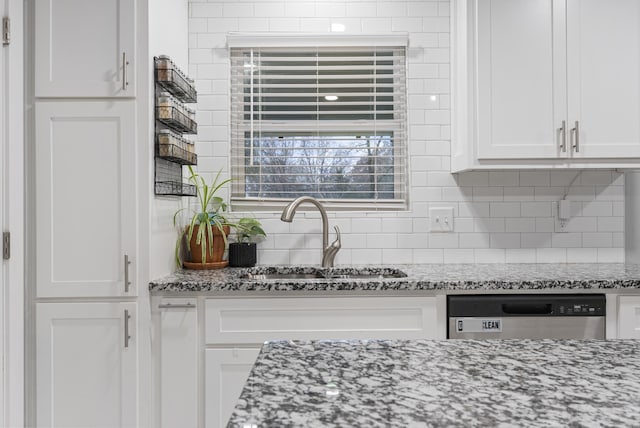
pixel 328 251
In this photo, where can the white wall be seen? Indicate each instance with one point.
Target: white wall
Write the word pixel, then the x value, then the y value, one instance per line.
pixel 500 216
pixel 168 35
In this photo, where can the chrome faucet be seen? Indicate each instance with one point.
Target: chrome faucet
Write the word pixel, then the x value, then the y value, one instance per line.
pixel 329 251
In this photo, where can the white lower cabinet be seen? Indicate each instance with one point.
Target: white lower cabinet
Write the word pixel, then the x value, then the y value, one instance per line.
pixel 86 361
pixel 178 363
pixel 227 370
pixel 628 317
pixel 236 328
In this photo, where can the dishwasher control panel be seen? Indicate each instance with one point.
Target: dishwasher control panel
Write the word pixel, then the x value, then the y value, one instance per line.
pixel 526 305
pixel 581 309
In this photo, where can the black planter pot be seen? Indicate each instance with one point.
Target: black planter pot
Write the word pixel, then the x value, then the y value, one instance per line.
pixel 242 254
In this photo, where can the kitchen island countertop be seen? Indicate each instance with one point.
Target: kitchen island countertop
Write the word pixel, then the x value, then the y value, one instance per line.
pixel 422 383
pixel 422 278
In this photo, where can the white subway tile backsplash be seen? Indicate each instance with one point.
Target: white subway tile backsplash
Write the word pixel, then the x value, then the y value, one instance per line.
pixel 331 9
pixel 520 255
pixel 489 256
pixel 582 255
pixel 566 240
pixel 505 240
pixel 253 24
pixel 500 216
pixel 475 240
pixel 534 178
pixel 422 8
pixel 391 8
pixel 610 255
pixel 458 256
pixel 597 240
pixel 504 178
pixel 406 24
pixel 230 10
pixel 428 256
pixel 284 24
pixel 536 209
pixel 551 255
pixel 520 225
pixel 504 209
pixel 488 193
pixel 443 240
pixel 376 25
pixel 205 10
pixel 277 9
pixel 365 9
pixel 366 256
pixel 535 240
pixel 610 224
pixel 394 256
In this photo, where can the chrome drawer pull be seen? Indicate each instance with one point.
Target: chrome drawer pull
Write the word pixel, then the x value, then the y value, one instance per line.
pixel 174 306
pixel 563 130
pixel 126 328
pixel 127 283
pixel 575 137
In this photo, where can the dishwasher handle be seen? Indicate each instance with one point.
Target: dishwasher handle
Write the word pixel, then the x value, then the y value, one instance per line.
pixel 527 308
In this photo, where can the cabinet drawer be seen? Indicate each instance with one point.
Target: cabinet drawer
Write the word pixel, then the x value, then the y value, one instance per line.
pixel 257 320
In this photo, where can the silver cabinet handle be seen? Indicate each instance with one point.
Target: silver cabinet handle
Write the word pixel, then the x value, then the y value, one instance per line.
pixel 127 283
pixel 179 306
pixel 575 137
pixel 563 131
pixel 124 71
pixel 126 328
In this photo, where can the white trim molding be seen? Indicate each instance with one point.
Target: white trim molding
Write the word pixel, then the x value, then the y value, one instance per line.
pixel 258 40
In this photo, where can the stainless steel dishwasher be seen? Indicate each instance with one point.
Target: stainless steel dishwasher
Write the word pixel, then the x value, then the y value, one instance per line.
pixel 526 316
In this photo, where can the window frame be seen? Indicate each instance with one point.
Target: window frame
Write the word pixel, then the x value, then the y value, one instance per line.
pixel 289 40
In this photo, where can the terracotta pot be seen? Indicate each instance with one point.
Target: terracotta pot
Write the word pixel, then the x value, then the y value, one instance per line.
pixel 218 245
pixel 242 254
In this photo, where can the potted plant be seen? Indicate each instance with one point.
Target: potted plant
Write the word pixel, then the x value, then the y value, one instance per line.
pixel 243 253
pixel 206 232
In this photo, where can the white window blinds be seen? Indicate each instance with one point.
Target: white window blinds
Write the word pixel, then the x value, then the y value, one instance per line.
pixel 319 121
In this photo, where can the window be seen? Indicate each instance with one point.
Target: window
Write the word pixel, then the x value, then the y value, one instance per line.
pixel 329 122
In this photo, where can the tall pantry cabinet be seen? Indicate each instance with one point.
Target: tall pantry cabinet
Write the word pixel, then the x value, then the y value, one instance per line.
pixel 86 207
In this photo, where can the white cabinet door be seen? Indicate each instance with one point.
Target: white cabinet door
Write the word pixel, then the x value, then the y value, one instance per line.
pixel 179 363
pixel 86 366
pixel 226 372
pixel 629 317
pixel 85 48
pixel 520 78
pixel 85 198
pixel 603 38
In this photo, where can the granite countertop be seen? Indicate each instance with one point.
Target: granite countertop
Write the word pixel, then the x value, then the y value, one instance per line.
pixel 436 278
pixel 421 383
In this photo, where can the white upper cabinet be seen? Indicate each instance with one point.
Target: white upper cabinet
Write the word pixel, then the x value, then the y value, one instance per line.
pixel 545 84
pixel 85 199
pixel 85 48
pixel 603 47
pixel 518 102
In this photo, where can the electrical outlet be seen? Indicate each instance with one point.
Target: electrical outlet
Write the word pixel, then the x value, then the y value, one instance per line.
pixel 441 219
pixel 562 215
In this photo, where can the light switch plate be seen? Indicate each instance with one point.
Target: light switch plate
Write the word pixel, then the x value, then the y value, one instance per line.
pixel 441 219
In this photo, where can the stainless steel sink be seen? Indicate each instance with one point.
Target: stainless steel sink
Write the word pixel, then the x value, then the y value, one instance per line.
pixel 281 276
pixel 279 273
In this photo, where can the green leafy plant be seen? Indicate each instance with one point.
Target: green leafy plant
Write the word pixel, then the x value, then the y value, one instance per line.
pixel 247 229
pixel 209 213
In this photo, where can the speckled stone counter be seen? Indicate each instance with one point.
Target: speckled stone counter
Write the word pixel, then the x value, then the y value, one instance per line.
pixel 465 383
pixel 429 278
